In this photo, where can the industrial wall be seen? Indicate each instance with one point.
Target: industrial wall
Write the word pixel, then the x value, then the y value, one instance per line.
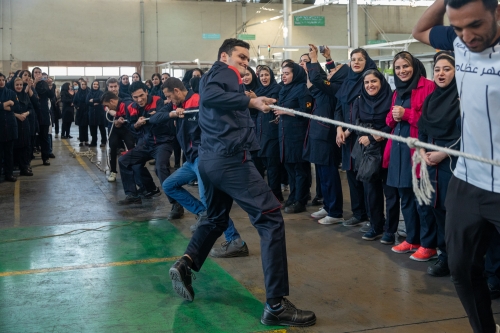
pixel 110 30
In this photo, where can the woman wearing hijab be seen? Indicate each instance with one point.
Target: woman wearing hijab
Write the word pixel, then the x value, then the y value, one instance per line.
pixel 136 77
pixel 412 88
pixel 68 111
pixel 370 111
pixel 292 132
pixel 22 143
pixel 82 113
pixel 251 83
pixel 266 126
pixel 97 115
pixel 440 125
pixel 124 83
pixel 8 107
pixel 156 90
pixel 350 90
pixel 25 75
pixel 195 84
pixel 319 145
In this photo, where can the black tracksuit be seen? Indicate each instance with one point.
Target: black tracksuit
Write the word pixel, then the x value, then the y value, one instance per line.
pixel 82 114
pixel 97 117
pixel 43 113
pixel 8 128
pixel 228 173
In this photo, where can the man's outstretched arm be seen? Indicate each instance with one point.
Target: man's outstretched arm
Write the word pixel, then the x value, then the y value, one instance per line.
pixel 432 17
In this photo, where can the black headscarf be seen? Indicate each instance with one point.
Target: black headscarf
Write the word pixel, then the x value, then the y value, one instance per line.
pixel 255 81
pixel 139 75
pixel 195 84
pixel 299 77
pixel 123 88
pixel 378 104
pixel 340 76
pixel 10 84
pixel 404 89
pixel 353 84
pixel 271 89
pixel 441 110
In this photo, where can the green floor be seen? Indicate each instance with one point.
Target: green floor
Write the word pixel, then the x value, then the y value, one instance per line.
pixel 95 281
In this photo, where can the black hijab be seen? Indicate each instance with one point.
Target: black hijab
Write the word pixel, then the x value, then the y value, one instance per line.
pixel 381 102
pixel 95 94
pixel 255 81
pixel 139 75
pixel 271 89
pixel 441 110
pixel 10 84
pixel 123 88
pixel 299 77
pixel 404 89
pixel 353 85
pixel 340 76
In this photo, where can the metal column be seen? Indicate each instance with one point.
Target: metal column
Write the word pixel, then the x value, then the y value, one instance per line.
pixel 352 22
pixel 287 26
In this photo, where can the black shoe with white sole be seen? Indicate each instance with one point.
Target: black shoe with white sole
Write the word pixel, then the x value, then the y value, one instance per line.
pixel 287 315
pixel 181 276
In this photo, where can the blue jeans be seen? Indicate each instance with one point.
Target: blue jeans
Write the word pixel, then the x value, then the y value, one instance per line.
pixel 172 186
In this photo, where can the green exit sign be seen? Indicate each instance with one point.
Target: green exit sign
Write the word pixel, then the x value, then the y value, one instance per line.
pixel 210 36
pixel 309 21
pixel 246 37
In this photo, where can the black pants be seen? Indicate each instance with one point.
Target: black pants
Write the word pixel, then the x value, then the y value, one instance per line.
pixel 331 188
pixel 66 127
pixel 236 178
pixel 93 134
pixel 55 123
pixel 7 153
pixel 177 152
pixel 375 192
pixel 83 133
pixel 492 260
pixel 43 137
pixel 319 193
pixel 119 135
pixel 273 166
pixel 22 157
pixel 299 175
pixel 134 159
pixel 358 199
pixel 472 214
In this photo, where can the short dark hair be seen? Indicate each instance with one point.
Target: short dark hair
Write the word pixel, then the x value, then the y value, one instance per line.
pixel 229 44
pixel 137 85
pixel 306 54
pixel 490 5
pixel 1 75
pixel 111 80
pixel 171 83
pixel 359 50
pixel 108 96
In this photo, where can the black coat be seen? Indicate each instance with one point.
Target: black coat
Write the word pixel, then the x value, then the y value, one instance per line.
pixel 188 129
pixel 44 95
pixel 33 117
pixel 267 129
pixel 97 115
pixel 80 103
pixel 8 122
pixel 23 127
pixel 320 142
pixel 68 111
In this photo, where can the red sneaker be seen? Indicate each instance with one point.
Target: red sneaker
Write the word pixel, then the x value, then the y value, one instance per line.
pixel 424 254
pixel 405 247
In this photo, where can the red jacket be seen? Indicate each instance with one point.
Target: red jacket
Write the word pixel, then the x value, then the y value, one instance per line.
pixel 424 88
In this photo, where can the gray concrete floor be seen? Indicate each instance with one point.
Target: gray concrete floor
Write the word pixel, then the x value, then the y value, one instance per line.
pixel 351 284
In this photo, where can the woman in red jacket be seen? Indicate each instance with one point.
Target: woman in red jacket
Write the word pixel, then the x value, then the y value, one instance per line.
pixel 412 88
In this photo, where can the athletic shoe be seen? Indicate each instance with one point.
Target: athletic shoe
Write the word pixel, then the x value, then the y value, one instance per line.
pixel 149 194
pixel 284 188
pixel 494 291
pixel 112 177
pixel 327 220
pixel 81 144
pixel 46 162
pixel 424 254
pixel 51 155
pixel 317 201
pixel 388 238
pixel 405 247
pixel 153 162
pixel 235 248
pixel 439 269
pixel 102 145
pixel 319 214
pixel 365 228
pixel 177 212
pixel 181 276
pixel 287 315
pixel 26 172
pixel 297 207
pixel 372 235
pixel 130 200
pixel 352 222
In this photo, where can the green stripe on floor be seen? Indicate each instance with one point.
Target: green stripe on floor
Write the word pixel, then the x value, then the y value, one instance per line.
pixel 113 280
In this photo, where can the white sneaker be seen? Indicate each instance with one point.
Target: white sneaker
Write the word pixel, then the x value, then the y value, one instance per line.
pixel 330 220
pixel 112 177
pixel 319 214
pixel 284 187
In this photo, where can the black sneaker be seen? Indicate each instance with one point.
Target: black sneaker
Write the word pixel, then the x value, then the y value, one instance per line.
pixel 494 291
pixel 317 201
pixel 439 269
pixel 149 194
pixel 181 276
pixel 372 235
pixel 365 228
pixel 130 200
pixel 287 315
pixel 352 222
pixel 295 208
pixel 176 213
pixel 51 155
pixel 235 248
pixel 46 162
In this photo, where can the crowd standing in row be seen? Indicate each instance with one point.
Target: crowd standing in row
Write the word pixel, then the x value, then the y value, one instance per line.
pixel 149 123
